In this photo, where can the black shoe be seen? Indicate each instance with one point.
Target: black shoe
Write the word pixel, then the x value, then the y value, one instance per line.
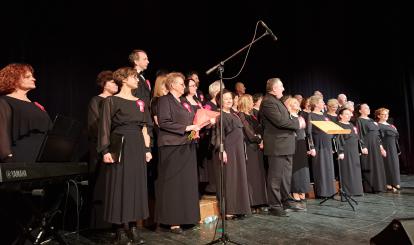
pixel 135 237
pixel 295 208
pixel 278 212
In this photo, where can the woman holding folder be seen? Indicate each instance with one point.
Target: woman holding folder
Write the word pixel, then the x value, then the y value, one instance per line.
pixel 321 149
pixel 124 143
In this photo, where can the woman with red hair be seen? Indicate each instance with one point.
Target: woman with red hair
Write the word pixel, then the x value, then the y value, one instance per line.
pixel 23 122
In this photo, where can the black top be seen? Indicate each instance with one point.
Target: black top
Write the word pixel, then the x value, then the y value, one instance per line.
pixel 20 120
pixel 93 116
pixel 144 90
pixel 173 118
pixel 117 112
pixel 251 128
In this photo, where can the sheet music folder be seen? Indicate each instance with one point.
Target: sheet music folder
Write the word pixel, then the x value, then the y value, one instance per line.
pixel 330 127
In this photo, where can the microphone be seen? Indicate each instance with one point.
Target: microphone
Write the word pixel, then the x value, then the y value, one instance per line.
pixel 268 30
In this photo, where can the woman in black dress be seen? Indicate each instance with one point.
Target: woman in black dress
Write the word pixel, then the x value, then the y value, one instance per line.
pixel 210 158
pixel 256 176
pixel 389 138
pixel 348 155
pixel 190 96
pixel 300 183
pixel 176 188
pixel 332 108
pixel 372 164
pixel 257 100
pixel 124 115
pixel 23 123
pixel 321 149
pixel 234 160
pixel 107 87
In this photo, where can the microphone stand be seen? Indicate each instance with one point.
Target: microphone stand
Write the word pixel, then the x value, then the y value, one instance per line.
pixel 224 239
pixel 221 63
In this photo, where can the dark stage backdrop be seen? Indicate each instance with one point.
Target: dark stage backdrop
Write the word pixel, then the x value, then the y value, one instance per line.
pixel 361 49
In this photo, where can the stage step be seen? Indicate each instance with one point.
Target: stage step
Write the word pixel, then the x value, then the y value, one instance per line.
pixel 208 207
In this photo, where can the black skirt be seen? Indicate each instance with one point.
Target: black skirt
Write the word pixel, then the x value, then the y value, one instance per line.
pixel 176 188
pixel 126 198
pixel 300 169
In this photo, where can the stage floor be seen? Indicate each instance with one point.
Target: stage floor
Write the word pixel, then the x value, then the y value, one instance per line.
pixel 333 222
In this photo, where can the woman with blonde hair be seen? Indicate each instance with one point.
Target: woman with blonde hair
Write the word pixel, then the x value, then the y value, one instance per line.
pixel 256 176
pixel 372 164
pixel 321 150
pixel 389 137
pixel 176 188
pixel 332 106
pixel 300 168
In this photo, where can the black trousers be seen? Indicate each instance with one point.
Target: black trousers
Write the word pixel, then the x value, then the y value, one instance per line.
pixel 278 180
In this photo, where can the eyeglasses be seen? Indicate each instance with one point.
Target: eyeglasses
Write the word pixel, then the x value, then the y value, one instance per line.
pixel 192 86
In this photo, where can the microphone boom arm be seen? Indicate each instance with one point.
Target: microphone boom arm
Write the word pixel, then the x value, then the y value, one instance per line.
pixel 240 50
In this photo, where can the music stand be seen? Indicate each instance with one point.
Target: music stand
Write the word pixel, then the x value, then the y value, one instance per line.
pixel 60 142
pixel 224 239
pixel 341 192
pixel 330 127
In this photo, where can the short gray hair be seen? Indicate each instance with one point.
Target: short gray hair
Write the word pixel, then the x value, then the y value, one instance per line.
pixel 271 82
pixel 214 88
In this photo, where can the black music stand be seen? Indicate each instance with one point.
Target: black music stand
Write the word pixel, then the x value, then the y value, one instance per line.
pixel 343 195
pixel 60 142
pixel 224 239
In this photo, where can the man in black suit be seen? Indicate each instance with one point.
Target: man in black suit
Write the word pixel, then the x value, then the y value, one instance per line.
pixel 139 60
pixel 279 146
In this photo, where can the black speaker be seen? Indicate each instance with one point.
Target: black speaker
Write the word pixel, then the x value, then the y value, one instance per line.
pixel 399 231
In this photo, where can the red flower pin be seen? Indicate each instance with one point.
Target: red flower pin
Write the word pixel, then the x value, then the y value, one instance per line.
pixel 39 106
pixel 187 106
pixel 141 105
pixel 207 107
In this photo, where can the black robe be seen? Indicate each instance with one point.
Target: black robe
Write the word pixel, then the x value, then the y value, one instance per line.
pixel 256 175
pixel 300 165
pixel 210 161
pixel 126 197
pixel 389 138
pixel 97 178
pixel 373 173
pixel 322 163
pixel 236 186
pixel 350 166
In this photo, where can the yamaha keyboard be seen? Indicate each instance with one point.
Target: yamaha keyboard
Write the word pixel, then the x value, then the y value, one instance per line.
pixel 18 171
